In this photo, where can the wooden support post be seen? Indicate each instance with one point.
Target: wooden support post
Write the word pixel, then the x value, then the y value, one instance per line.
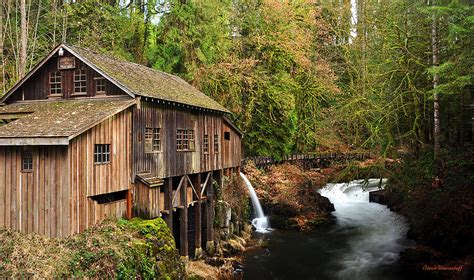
pixel 183 221
pixel 198 227
pixel 237 171
pixel 211 202
pixel 129 204
pixel 168 189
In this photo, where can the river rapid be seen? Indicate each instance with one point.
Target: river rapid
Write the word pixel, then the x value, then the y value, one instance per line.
pixel 363 242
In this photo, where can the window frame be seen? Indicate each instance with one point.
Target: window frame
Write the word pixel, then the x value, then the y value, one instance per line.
pixel 57 75
pixel 205 144
pixel 98 155
pixel 97 85
pixel 27 155
pixel 152 139
pixel 82 73
pixel 216 143
pixel 185 140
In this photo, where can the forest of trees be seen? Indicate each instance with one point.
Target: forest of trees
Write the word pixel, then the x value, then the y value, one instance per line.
pixel 298 75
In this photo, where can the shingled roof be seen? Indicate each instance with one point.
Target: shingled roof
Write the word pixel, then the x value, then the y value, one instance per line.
pixel 145 81
pixel 60 118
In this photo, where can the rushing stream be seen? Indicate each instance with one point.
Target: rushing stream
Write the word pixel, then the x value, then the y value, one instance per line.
pixel 363 243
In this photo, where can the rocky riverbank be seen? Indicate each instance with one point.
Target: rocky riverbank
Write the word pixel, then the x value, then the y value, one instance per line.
pixel 440 212
pixel 289 195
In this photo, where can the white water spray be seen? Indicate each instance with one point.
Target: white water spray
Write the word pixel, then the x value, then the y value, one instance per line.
pixel 378 235
pixel 261 221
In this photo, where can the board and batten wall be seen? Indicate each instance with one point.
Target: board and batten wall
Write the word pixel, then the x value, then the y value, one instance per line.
pixel 37 87
pixel 171 163
pixel 88 179
pixel 55 198
pixel 37 201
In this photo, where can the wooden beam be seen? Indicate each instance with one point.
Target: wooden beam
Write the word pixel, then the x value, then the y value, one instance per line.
pixel 129 204
pixel 168 189
pixel 34 141
pixel 204 185
pixel 183 221
pixel 198 227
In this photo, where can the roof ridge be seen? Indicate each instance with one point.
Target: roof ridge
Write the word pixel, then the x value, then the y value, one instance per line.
pixel 122 60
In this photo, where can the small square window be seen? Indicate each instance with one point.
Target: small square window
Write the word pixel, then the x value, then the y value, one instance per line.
pixel 227 135
pixel 101 153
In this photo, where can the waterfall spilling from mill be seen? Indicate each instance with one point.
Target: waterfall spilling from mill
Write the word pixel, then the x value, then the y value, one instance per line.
pixel 260 222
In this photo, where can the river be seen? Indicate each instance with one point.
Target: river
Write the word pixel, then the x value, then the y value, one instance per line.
pixel 363 242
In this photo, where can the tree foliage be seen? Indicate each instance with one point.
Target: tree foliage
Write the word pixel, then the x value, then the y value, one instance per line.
pixel 299 76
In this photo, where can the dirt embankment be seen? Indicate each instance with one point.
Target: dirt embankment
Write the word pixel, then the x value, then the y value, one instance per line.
pixel 289 195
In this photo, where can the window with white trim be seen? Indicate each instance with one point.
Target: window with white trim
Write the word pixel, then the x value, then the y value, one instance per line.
pixel 80 81
pixel 55 88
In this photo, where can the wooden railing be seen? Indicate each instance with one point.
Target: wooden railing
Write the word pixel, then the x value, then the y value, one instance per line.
pixel 306 161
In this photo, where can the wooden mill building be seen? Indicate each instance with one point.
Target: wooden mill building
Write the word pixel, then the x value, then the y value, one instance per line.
pixel 84 136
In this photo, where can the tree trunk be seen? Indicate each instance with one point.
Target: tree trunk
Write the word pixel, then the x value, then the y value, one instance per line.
pixel 23 39
pixel 2 65
pixel 436 116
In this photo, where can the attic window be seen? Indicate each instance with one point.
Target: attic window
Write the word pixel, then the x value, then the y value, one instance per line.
pixel 100 85
pixel 227 135
pixel 55 83
pixel 80 85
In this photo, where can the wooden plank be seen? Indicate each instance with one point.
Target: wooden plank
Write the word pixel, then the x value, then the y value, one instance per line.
pixel 198 227
pixel 183 221
pixel 168 190
pixel 3 186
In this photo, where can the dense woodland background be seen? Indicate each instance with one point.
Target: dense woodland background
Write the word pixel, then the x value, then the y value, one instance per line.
pixel 300 75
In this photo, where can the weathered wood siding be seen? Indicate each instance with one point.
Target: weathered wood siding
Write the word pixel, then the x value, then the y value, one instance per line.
pixel 37 87
pixel 149 202
pixel 169 162
pixel 88 179
pixel 231 147
pixel 37 201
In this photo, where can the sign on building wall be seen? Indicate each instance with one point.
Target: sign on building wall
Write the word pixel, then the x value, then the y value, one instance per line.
pixel 67 63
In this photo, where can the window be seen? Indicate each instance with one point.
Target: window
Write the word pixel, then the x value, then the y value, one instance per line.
pixel 152 139
pixel 26 162
pixel 226 135
pixel 110 197
pixel 206 144
pixel 80 86
pixel 216 143
pixel 100 85
pixel 55 83
pixel 185 140
pixel 101 153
